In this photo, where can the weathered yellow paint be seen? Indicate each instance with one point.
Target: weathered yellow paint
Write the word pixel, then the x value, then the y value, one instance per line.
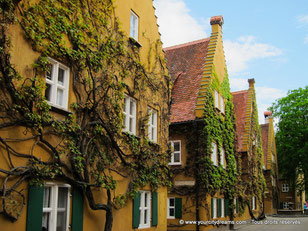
pixel 23 57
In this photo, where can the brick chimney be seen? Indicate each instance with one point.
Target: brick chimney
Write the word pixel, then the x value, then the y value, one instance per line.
pixel 217 20
pixel 251 83
pixel 267 116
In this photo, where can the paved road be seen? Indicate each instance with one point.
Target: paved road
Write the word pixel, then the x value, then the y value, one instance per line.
pixel 277 224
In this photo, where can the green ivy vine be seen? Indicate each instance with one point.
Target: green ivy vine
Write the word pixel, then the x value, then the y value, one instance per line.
pixel 87 148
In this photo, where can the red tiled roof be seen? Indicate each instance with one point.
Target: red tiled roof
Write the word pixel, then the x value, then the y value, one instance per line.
pixel 185 64
pixel 264 133
pixel 240 106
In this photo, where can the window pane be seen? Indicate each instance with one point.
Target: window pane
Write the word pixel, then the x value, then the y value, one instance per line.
pixel 176 146
pixel 145 216
pixel 130 127
pixel 61 221
pixel 171 202
pixel 176 157
pixel 45 222
pixel 171 212
pixel 152 134
pixel 62 197
pixel 46 200
pixel 125 103
pixel 49 73
pixel 61 76
pixel 132 108
pixel 145 200
pixel 48 92
pixel 60 94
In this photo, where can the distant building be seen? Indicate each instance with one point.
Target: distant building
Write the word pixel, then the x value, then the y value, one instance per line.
pixel 252 185
pixel 270 169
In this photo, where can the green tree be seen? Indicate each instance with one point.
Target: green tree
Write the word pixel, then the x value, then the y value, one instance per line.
pixel 292 135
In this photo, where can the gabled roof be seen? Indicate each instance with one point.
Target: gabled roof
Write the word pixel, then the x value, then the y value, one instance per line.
pixel 185 64
pixel 240 99
pixel 264 134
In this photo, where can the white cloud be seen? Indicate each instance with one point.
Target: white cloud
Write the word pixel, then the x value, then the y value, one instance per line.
pixel 237 84
pixel 245 49
pixel 176 25
pixel 306 39
pixel 303 19
pixel 265 97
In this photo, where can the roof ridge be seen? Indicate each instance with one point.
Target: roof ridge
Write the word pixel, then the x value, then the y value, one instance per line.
pixel 238 92
pixel 186 44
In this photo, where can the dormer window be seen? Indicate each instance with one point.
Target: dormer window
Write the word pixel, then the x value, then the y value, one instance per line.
pixel 57 84
pixel 134 23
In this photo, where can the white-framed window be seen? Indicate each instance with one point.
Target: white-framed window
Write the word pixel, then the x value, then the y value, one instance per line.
pixel 145 209
pixel 56 207
pixel 273 158
pixel 254 203
pixel 222 207
pixel 222 157
pixel 222 104
pixel 176 152
pixel 285 188
pixel 235 201
pixel 57 84
pixel 285 205
pixel 130 109
pixel 214 206
pixel 214 153
pixel 171 208
pixel 216 99
pixel 134 23
pixel 152 125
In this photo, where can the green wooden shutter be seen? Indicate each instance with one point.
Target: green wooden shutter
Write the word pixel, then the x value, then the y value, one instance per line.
pixel 226 207
pixel 219 207
pixel 154 208
pixel 212 207
pixel 77 210
pixel 178 207
pixel 136 211
pixel 35 208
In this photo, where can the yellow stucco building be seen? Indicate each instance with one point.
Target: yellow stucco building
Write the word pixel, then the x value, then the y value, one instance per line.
pixel 201 134
pixel 86 130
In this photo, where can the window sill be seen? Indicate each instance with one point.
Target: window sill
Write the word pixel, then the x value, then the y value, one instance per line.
pixel 175 164
pixel 144 227
pixel 128 134
pixel 60 110
pixel 135 42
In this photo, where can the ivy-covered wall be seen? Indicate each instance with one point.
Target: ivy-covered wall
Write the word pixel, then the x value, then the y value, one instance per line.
pixel 84 146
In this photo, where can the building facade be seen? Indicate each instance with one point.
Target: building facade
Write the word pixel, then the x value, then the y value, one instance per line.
pixel 201 133
pixel 270 170
pixel 251 188
pixel 84 116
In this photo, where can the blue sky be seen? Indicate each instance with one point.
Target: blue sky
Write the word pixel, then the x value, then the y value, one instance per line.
pixel 264 40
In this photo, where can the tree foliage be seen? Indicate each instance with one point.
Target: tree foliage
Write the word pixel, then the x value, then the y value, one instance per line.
pixel 292 135
pixel 87 148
